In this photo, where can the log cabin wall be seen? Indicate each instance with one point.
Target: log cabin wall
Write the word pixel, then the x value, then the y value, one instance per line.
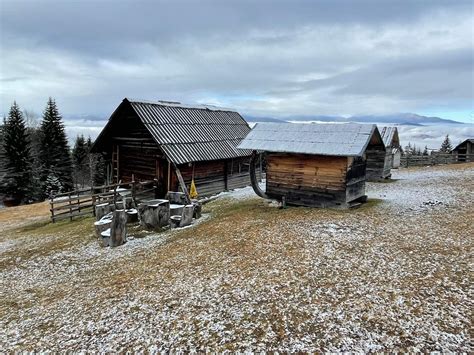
pixel 136 152
pixel 213 177
pixel 355 178
pixel 309 180
pixel 376 157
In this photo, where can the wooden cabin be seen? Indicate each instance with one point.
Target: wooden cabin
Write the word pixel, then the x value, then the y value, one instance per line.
pixel 392 144
pixel 318 165
pixel 464 152
pixel 174 143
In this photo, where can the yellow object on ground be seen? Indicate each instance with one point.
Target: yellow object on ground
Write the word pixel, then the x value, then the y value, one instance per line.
pixel 192 190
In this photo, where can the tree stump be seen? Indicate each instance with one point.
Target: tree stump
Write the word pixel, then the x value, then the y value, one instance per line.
pixel 118 229
pixel 154 214
pixel 126 203
pixel 105 238
pixel 176 210
pixel 101 226
pixel 175 221
pixel 102 209
pixel 132 215
pixel 178 198
pixel 197 209
pixel 187 216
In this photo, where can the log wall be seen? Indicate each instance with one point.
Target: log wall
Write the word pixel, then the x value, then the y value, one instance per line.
pixel 355 178
pixel 309 180
pixel 213 177
pixel 376 164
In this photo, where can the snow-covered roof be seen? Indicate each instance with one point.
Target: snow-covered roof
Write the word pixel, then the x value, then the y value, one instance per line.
pixel 349 139
pixel 390 136
pixel 188 133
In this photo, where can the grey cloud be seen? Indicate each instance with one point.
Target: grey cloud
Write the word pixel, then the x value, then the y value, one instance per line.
pixel 276 57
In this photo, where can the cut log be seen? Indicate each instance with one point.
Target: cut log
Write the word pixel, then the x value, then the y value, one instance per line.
pixel 197 209
pixel 132 215
pixel 105 238
pixel 102 209
pixel 118 229
pixel 187 216
pixel 101 226
pixel 175 221
pixel 178 198
pixel 176 210
pixel 154 214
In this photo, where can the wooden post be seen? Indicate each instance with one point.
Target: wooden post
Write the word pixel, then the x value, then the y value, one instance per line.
pixel 226 177
pixel 51 203
pixel 133 190
pixel 70 206
pixel 168 187
pixel 182 184
pixel 93 201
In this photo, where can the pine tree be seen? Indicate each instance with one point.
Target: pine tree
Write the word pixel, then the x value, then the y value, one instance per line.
pixel 16 145
pixel 54 150
pixel 446 146
pixel 425 151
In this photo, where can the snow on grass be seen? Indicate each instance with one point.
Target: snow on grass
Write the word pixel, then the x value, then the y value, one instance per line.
pixel 390 276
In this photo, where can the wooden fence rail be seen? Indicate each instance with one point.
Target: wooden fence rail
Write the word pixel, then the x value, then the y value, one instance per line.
pixel 82 202
pixel 435 159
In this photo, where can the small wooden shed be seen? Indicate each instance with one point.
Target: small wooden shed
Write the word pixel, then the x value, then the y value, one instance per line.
pixel 464 152
pixel 319 165
pixel 392 144
pixel 173 143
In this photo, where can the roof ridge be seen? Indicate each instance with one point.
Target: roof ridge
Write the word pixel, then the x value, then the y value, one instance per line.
pixel 177 104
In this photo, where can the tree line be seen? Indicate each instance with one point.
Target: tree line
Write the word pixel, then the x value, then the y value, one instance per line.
pixel 37 160
pixel 446 147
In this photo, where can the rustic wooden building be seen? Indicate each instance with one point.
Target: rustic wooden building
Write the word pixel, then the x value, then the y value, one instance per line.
pixel 464 152
pixel 317 165
pixel 392 144
pixel 173 143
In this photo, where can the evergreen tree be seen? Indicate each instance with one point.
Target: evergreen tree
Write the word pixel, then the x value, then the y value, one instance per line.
pixel 446 146
pixel 52 186
pixel 54 150
pixel 408 149
pixel 89 144
pixel 80 159
pixel 425 151
pixel 16 146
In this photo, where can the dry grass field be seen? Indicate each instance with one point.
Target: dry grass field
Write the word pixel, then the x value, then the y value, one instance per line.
pixel 393 275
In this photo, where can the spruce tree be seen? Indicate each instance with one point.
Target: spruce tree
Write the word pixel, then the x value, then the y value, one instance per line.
pixel 446 146
pixel 425 151
pixel 80 159
pixel 54 150
pixel 16 148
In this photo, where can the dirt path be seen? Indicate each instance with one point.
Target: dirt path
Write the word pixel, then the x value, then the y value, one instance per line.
pixel 392 275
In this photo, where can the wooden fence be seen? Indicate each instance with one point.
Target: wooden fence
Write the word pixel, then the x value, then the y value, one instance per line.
pixel 82 202
pixel 435 159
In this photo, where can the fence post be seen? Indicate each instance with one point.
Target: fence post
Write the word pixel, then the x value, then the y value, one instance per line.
pixel 93 200
pixel 70 206
pixel 51 204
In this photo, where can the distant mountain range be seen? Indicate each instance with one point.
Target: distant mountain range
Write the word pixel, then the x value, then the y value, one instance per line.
pixel 410 119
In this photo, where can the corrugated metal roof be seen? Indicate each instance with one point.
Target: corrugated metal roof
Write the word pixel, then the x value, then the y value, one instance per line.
pixel 390 136
pixel 193 133
pixel 321 139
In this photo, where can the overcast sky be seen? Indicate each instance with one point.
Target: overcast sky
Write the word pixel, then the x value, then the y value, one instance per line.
pixel 272 58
